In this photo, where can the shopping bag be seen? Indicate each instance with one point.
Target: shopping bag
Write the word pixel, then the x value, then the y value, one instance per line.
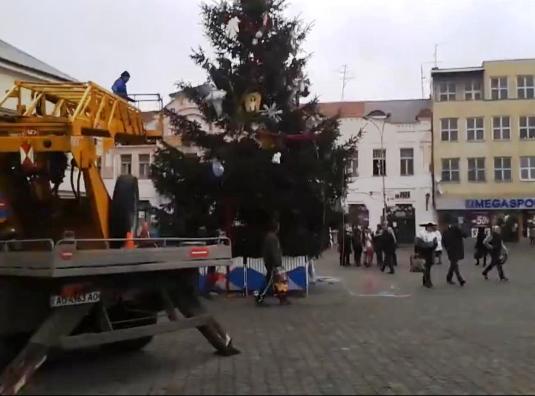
pixel 417 263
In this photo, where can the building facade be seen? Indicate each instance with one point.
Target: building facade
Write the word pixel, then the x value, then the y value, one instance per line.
pixel 392 174
pixel 137 159
pixel 16 64
pixel 484 144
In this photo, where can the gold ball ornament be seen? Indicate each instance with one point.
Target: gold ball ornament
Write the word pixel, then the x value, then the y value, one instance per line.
pixel 252 102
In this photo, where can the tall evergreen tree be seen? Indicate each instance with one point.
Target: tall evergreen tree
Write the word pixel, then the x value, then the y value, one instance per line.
pixel 280 155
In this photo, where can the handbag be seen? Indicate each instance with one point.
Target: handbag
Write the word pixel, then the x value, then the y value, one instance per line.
pixel 417 263
pixel 280 284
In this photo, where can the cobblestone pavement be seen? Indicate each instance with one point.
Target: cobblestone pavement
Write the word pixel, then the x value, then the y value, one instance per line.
pixel 370 333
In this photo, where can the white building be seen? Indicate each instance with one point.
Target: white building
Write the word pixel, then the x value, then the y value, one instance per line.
pixel 137 160
pixel 16 64
pixel 407 149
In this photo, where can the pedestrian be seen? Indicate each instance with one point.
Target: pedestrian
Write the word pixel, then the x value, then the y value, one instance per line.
pixel 498 252
pixel 425 245
pixel 438 250
pixel 368 247
pixel 119 86
pixel 344 245
pixel 377 245
pixel 393 233
pixel 480 249
pixel 388 243
pixel 272 255
pixel 531 231
pixel 357 244
pixel 453 241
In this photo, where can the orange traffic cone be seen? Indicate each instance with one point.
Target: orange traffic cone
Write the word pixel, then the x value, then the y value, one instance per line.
pixel 129 244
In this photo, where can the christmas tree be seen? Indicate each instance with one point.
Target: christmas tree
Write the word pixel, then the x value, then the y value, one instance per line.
pixel 271 154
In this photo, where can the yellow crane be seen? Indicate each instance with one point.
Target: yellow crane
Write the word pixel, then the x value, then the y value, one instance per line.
pixel 80 119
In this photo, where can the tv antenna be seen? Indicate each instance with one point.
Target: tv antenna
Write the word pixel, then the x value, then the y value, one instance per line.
pixel 345 77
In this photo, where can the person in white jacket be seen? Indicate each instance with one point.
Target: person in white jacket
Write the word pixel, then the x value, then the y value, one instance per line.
pixel 438 250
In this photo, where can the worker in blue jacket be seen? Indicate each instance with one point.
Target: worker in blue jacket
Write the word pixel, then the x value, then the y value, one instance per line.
pixel 119 86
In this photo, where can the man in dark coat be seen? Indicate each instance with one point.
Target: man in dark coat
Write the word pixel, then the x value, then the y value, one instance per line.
pixel 498 252
pixel 272 255
pixel 388 243
pixel 357 244
pixel 453 242
pixel 345 240
pixel 378 245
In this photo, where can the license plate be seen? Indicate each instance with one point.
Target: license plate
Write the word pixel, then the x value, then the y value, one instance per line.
pixel 79 299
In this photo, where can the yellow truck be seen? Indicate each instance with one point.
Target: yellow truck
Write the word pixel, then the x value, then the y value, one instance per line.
pixel 72 273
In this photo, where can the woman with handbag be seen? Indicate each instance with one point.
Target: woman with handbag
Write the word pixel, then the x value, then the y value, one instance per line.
pixel 426 243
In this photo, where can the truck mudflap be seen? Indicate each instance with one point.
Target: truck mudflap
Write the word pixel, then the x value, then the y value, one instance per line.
pixel 56 332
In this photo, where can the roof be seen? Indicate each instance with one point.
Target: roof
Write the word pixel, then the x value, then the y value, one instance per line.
pixel 342 109
pixel 16 57
pixel 457 70
pixel 403 111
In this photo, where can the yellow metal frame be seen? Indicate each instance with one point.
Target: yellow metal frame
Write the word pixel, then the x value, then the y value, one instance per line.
pixel 69 117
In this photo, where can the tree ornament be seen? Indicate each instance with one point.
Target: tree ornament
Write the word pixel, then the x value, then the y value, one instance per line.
pixel 276 158
pixel 215 98
pixel 312 121
pixel 252 102
pixel 265 20
pixel 217 168
pixel 258 35
pixel 233 28
pixel 272 112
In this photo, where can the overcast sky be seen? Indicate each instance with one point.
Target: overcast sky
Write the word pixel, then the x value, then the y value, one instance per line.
pixel 383 42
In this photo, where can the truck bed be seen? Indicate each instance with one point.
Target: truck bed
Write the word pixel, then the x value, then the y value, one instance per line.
pixel 68 258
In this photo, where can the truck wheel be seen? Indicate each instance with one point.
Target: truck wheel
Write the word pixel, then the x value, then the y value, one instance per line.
pixel 128 319
pixel 10 347
pixel 123 217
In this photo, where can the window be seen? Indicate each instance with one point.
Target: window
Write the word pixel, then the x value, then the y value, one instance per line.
pixel 126 164
pixel 527 168
pixel 526 88
pixel 379 162
pixel 472 90
pixel 502 169
pixel 474 129
pixel 449 131
pixel 476 169
pixel 144 166
pixel 450 170
pixel 527 128
pixel 498 87
pixel 407 161
pixel 352 168
pixel 501 127
pixel 403 195
pixel 446 91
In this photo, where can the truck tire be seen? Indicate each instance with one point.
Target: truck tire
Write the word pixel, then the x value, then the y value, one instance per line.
pixel 123 217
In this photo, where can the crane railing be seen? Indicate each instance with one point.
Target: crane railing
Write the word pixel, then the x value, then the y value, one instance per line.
pixel 71 109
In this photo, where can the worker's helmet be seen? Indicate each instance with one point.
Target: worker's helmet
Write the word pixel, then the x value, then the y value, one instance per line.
pixel 125 74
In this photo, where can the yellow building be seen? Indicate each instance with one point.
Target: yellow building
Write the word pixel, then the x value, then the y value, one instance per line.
pixel 484 144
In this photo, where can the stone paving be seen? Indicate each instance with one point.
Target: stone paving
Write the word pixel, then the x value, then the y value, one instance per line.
pixel 369 333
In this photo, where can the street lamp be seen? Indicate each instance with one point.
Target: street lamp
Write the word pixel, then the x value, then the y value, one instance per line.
pixel 374 117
